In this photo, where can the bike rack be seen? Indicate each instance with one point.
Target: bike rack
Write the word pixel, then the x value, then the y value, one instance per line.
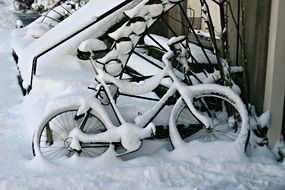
pixel 36 57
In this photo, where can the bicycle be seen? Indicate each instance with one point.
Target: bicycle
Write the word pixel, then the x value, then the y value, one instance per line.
pixel 84 126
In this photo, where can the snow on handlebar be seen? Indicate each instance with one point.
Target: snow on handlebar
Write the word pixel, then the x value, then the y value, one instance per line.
pixel 166 57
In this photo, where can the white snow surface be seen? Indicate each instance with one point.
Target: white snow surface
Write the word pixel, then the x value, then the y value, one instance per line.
pixel 92 45
pixel 196 165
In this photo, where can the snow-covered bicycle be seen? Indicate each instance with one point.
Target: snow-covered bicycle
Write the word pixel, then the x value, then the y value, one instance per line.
pixel 206 112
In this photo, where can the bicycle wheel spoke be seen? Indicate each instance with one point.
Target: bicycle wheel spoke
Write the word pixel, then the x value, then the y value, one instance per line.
pixel 220 124
pixel 90 152
pixel 73 120
pixel 196 135
pixel 67 121
pixel 60 120
pixel 185 116
pixel 96 125
pixel 63 130
pixel 53 152
pixel 226 135
pixel 204 136
pixel 58 135
pixel 219 131
pixel 214 136
pixel 86 153
pixel 61 124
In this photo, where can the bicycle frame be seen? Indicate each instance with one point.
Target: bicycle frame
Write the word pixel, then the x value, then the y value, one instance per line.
pixel 143 120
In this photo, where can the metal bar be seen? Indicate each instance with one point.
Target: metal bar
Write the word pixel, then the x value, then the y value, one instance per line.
pixel 224 34
pixel 156 42
pixel 245 72
pixel 195 35
pixel 238 28
pixel 56 4
pixel 209 22
pixel 65 9
pixel 193 58
pixel 139 97
pixel 173 18
pixel 117 114
pixel 237 25
pixel 169 27
pixel 57 12
pixel 153 63
pixel 82 125
pixel 46 16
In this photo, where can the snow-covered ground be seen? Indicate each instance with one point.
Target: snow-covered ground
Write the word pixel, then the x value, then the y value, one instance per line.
pixel 217 165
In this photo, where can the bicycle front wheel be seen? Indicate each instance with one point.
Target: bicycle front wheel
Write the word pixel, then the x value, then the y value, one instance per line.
pixel 52 137
pixel 226 113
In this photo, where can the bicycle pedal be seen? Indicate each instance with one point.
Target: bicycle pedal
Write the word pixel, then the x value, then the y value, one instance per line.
pixel 77 117
pixel 78 152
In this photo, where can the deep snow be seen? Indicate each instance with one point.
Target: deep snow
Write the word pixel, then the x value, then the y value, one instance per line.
pixel 155 166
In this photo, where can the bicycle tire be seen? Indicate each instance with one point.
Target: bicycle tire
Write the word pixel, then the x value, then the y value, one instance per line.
pixel 194 129
pixel 51 138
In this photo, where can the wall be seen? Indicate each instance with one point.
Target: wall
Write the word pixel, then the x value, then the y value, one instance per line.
pixel 257 17
pixel 275 75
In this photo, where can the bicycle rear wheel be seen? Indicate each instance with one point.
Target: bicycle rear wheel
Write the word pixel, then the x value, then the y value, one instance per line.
pixel 51 139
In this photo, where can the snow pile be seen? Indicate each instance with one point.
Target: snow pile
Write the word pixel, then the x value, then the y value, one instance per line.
pixel 6 9
pixel 38 30
pixel 92 45
pixel 196 165
pixel 43 4
pixel 146 11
